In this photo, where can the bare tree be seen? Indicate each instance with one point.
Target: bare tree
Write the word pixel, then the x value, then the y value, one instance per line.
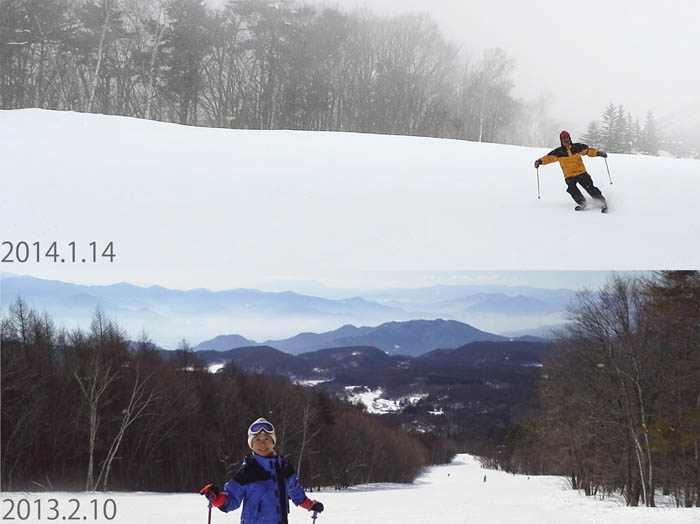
pixel 310 430
pixel 140 399
pixel 614 401
pixel 94 382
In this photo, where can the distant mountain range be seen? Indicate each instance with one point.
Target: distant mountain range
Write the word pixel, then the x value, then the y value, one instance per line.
pixel 472 391
pixel 467 295
pixel 503 304
pixel 168 316
pixel 540 333
pixel 371 366
pixel 413 337
pixel 125 296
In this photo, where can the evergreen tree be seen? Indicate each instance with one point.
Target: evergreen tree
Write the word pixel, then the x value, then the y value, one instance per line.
pixel 623 131
pixel 609 133
pixel 629 133
pixel 636 136
pixel 616 132
pixel 593 134
pixel 649 140
pixel 185 45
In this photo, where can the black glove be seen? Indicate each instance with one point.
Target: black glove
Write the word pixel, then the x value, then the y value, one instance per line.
pixel 603 154
pixel 538 163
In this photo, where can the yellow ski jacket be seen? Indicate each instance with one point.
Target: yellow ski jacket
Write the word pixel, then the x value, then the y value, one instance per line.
pixel 569 158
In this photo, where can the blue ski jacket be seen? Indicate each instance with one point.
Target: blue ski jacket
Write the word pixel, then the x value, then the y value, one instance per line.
pixel 264 485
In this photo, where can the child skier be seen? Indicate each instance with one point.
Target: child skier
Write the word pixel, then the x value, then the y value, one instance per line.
pixel 264 484
pixel 569 158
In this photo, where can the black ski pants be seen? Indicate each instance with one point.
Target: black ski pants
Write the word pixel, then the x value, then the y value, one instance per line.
pixel 586 183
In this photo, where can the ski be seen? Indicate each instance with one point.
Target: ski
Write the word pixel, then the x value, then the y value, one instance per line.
pixel 603 209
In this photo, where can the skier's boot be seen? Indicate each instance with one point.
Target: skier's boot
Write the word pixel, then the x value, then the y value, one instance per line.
pixel 604 205
pixel 581 206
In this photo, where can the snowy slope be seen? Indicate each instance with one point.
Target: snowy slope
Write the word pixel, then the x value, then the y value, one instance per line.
pixel 217 203
pixel 453 494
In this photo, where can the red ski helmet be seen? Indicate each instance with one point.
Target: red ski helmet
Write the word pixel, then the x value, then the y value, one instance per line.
pixel 563 135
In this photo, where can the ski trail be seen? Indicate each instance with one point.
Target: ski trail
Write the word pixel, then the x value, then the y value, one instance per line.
pixel 451 494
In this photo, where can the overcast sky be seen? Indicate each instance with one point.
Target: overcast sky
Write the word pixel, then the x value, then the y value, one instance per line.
pixel 580 55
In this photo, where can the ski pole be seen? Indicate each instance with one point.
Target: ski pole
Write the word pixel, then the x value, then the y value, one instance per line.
pixel 538 182
pixel 313 517
pixel 606 167
pixel 209 520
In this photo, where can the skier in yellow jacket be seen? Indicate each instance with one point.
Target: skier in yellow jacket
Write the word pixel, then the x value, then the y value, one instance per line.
pixel 569 158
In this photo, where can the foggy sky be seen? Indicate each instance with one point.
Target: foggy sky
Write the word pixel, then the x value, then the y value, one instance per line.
pixel 579 55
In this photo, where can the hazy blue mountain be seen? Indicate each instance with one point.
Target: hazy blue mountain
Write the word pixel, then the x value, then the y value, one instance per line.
pixel 169 315
pixel 503 304
pixel 195 300
pixel 412 337
pixel 416 337
pixel 248 315
pixel 371 366
pixel 225 342
pixel 445 293
pixel 304 342
pixel 531 302
pixel 542 332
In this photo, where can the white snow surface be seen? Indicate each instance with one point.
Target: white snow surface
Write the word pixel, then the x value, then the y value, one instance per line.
pixel 214 204
pixel 451 494
pixel 215 368
pixel 310 382
pixel 371 399
pixel 375 402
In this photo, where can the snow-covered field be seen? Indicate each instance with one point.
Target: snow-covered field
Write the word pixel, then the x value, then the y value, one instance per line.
pixel 221 206
pixel 374 401
pixel 453 494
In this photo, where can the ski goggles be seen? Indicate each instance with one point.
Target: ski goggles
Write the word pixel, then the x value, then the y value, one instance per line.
pixel 258 427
